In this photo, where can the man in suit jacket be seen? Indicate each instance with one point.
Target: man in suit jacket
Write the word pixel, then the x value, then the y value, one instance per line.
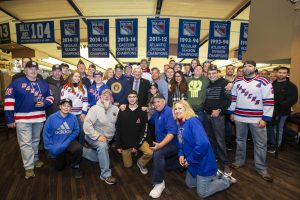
pixel 141 86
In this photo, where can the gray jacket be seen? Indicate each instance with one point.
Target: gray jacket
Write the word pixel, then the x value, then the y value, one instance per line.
pixel 100 122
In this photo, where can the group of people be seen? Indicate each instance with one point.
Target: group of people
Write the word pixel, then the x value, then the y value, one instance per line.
pixel 180 118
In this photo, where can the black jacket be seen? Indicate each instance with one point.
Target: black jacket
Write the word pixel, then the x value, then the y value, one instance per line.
pixel 55 87
pixel 217 97
pixel 131 128
pixel 285 96
pixel 143 91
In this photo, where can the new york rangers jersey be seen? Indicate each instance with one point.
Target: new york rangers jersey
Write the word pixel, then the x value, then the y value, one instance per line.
pixel 79 100
pixel 20 101
pixel 252 100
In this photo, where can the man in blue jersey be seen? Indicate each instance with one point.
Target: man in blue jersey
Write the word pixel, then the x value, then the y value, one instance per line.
pixel 26 99
pixel 60 132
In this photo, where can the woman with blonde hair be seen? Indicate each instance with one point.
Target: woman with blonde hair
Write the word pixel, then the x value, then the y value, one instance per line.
pixel 109 73
pixel 196 154
pixel 76 91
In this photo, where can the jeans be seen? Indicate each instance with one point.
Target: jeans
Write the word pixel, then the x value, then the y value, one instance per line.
pixel 206 186
pixel 80 137
pixel 259 136
pixel 98 153
pixel 29 138
pixel 215 129
pixel 71 155
pixel 201 115
pixel 229 125
pixel 159 161
pixel 273 129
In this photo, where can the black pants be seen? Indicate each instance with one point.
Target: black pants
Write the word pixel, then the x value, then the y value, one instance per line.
pixel 72 155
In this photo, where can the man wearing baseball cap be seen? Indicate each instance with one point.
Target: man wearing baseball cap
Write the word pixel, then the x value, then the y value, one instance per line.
pixel 60 132
pixel 99 128
pixel 96 89
pixel 251 107
pixel 22 73
pixel 56 83
pixel 119 86
pixel 26 99
pixel 65 70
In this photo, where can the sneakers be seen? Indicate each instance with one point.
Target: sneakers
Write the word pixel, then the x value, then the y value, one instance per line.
pixel 235 166
pixel 38 164
pixel 29 173
pixel 266 176
pixel 143 170
pixel 77 173
pixel 271 150
pixel 157 190
pixel 109 180
pixel 227 170
pixel 230 178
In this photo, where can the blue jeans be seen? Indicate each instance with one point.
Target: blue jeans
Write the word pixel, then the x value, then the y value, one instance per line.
pixel 201 115
pixel 259 136
pixel 81 132
pixel 206 186
pixel 215 129
pixel 29 138
pixel 98 153
pixel 159 161
pixel 229 125
pixel 272 131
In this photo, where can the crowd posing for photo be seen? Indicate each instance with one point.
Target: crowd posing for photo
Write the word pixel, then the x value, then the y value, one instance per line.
pixel 185 118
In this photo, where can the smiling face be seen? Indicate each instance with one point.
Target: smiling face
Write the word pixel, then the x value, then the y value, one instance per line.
pixel 159 104
pixel 212 75
pixel 81 68
pixel 132 99
pixel 76 77
pixel 65 108
pixel 57 74
pixel 179 111
pixel 230 70
pixel 31 72
pixel 178 78
pixel 98 79
pixel 249 70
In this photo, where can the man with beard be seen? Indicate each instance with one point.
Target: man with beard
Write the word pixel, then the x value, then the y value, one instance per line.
pixel 251 107
pixel 285 96
pixel 99 127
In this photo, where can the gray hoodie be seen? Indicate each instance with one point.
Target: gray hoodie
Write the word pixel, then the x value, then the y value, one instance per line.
pixel 100 122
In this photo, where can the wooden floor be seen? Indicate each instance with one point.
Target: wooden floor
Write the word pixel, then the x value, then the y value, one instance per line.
pixel 50 184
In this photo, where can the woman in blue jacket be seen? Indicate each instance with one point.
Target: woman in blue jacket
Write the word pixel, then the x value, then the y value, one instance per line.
pixel 59 134
pixel 196 154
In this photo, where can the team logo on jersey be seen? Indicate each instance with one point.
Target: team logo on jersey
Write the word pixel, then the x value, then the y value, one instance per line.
pixel 179 135
pixel 70 28
pixel 116 87
pixel 189 28
pixel 23 85
pixel 245 34
pixel 126 27
pixel 220 30
pixel 98 28
pixel 63 129
pixel 8 91
pixel 138 121
pixel 28 88
pixel 158 27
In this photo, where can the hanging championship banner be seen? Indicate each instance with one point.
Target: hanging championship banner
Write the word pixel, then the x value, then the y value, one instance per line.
pixel 243 40
pixel 98 38
pixel 4 33
pixel 218 46
pixel 126 38
pixel 70 38
pixel 158 37
pixel 35 32
pixel 188 38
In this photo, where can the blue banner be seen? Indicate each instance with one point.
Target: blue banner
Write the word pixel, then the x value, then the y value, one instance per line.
pixel 243 40
pixel 158 37
pixel 218 46
pixel 70 38
pixel 4 33
pixel 188 38
pixel 126 38
pixel 35 32
pixel 98 38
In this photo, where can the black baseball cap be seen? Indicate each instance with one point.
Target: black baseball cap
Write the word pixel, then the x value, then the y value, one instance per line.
pixel 54 67
pixel 67 100
pixel 32 64
pixel 153 84
pixel 64 65
pixel 213 68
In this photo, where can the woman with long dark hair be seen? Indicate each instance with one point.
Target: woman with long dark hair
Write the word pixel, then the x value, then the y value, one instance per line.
pixel 178 87
pixel 76 91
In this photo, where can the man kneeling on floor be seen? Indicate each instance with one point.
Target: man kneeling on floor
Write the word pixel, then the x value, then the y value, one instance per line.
pixel 99 127
pixel 60 132
pixel 131 134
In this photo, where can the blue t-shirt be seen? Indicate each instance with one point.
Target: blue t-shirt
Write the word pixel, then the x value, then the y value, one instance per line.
pixel 164 123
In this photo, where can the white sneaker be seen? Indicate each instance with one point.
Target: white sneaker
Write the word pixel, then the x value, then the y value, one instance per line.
pixel 231 179
pixel 143 170
pixel 157 190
